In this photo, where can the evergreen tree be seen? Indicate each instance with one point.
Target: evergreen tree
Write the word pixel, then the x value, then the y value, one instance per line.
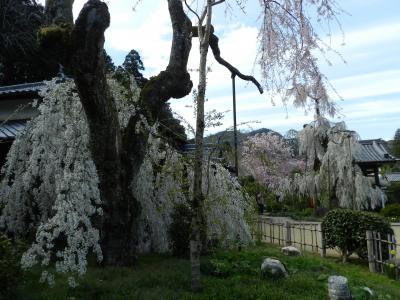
pixel 133 65
pixel 21 59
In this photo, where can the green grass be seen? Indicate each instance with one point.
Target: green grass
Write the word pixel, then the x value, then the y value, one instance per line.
pixel 226 275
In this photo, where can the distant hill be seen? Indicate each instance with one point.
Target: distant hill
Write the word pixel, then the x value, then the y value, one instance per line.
pixel 227 136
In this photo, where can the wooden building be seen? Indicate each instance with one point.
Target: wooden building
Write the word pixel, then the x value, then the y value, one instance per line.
pixel 15 110
pixel 373 155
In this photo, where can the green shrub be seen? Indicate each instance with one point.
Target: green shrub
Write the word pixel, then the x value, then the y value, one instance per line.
pixel 390 268
pixel 10 271
pixel 393 192
pixel 179 230
pixel 346 230
pixel 265 199
pixel 391 211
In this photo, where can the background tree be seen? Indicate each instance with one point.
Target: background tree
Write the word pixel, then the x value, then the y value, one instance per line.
pixel 396 143
pixel 21 58
pixel 108 63
pixel 331 178
pixel 133 65
pixel 270 159
pixel 292 138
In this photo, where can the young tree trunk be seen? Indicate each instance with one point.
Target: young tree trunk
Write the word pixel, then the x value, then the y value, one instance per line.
pixel 198 197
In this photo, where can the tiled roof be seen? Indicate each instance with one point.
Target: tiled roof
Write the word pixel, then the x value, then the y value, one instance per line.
pixel 393 177
pixel 20 89
pixel 373 151
pixel 10 129
pixel 191 148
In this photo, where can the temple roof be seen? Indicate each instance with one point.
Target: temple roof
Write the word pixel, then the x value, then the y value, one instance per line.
pixel 374 151
pixel 9 129
pixel 20 89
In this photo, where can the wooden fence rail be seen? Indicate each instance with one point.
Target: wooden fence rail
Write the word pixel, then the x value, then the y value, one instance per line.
pixel 382 252
pixel 308 236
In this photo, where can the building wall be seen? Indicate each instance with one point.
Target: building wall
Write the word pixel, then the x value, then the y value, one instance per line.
pixel 17 109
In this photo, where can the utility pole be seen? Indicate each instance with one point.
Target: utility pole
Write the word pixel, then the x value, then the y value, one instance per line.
pixel 234 124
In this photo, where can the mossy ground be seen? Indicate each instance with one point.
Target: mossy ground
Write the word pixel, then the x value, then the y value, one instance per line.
pixel 226 275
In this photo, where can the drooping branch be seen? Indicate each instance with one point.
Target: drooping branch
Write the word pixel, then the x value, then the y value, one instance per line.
pixel 213 43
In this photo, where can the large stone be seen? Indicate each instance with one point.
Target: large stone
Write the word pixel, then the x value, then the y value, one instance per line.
pixel 273 268
pixel 338 288
pixel 291 251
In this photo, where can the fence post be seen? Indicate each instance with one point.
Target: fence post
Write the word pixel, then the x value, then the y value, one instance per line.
pixel 288 233
pixel 323 248
pixel 371 254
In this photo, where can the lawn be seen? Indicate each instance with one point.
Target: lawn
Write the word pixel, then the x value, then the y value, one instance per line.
pixel 226 275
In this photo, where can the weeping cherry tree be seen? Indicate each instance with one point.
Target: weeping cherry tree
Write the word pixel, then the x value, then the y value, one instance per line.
pixel 118 148
pixel 331 177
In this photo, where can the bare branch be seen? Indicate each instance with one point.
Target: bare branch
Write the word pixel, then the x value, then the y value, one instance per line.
pixel 213 43
pixel 217 2
pixel 189 8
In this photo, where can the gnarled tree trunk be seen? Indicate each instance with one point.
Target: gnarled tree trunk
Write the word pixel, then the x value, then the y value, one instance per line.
pixel 118 158
pixel 117 232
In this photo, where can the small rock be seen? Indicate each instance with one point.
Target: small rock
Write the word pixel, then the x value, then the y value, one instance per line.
pixel 273 268
pixel 338 288
pixel 368 290
pixel 291 251
pixel 322 277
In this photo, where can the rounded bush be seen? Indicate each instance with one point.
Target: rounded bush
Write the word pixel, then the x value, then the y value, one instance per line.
pixel 346 229
pixel 391 211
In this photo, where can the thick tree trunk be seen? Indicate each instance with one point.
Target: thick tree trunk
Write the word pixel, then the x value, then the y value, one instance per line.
pixel 198 197
pixel 120 208
pixel 118 158
pixel 174 82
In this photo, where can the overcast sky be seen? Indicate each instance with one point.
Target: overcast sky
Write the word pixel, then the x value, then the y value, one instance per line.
pixel 369 82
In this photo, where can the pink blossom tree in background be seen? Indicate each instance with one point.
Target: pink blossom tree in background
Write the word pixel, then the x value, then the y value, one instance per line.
pixel 270 160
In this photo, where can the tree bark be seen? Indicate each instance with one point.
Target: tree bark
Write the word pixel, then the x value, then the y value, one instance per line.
pixel 173 82
pixel 120 208
pixel 118 158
